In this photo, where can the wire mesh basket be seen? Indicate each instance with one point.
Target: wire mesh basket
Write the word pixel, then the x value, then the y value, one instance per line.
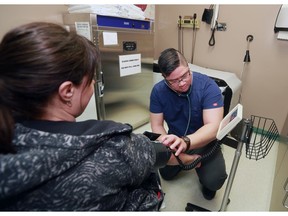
pixel 264 134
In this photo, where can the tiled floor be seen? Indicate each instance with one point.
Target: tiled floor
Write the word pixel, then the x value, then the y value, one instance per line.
pixel 251 187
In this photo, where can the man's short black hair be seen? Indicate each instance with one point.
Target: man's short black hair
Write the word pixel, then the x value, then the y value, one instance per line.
pixel 169 60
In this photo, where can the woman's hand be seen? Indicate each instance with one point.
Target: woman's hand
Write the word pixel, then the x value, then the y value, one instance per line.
pixel 174 142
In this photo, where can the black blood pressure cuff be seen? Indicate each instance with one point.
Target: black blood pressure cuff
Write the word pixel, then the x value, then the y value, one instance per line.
pixel 163 154
pixel 151 136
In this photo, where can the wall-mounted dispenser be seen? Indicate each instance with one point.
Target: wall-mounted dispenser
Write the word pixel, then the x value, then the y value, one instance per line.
pixel 281 23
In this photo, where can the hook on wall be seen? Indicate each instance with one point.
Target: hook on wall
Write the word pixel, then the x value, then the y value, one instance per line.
pixel 249 38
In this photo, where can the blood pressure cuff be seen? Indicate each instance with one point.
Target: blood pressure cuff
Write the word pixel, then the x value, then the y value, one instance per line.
pixel 151 136
pixel 207 15
pixel 163 154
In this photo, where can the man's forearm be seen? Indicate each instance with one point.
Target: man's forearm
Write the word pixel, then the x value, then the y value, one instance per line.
pixel 203 136
pixel 158 129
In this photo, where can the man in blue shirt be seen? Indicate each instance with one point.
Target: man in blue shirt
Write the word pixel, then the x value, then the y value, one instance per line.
pixel 192 106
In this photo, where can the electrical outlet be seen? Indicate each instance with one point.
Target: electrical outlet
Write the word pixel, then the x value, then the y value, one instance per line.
pixel 221 27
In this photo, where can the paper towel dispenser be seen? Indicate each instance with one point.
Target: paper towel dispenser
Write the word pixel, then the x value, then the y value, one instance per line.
pixel 281 23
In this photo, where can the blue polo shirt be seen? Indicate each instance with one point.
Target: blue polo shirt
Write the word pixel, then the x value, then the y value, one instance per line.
pixel 204 94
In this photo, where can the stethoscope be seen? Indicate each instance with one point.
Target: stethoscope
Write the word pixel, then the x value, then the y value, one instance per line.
pixel 207 154
pixel 189 103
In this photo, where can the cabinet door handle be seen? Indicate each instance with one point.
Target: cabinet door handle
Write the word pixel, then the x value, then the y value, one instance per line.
pixel 286 185
pixel 285 200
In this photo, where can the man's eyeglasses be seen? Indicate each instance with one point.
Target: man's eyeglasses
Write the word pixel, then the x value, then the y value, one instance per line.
pixel 183 78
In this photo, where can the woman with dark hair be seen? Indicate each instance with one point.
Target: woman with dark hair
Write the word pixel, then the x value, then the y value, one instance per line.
pixel 48 161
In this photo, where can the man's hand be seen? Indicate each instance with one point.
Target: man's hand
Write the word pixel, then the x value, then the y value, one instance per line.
pixel 174 142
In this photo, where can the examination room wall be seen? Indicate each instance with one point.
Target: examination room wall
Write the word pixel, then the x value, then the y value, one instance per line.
pixel 265 79
pixel 14 15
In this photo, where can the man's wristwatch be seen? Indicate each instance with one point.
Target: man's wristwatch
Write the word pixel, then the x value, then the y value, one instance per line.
pixel 187 141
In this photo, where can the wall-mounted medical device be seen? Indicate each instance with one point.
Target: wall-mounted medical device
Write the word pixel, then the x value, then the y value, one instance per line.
pixel 189 22
pixel 281 23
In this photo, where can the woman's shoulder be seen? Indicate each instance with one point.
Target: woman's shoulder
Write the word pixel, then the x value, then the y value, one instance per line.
pixel 88 127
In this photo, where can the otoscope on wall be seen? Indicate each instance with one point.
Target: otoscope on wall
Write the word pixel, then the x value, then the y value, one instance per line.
pixel 246 60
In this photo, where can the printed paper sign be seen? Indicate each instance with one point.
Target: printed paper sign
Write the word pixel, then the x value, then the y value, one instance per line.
pixel 129 64
pixel 83 28
pixel 110 38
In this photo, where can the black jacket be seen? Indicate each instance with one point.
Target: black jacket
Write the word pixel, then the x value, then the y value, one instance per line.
pixel 79 166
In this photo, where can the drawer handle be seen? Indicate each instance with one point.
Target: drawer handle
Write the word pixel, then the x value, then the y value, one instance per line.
pixel 285 201
pixel 286 185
